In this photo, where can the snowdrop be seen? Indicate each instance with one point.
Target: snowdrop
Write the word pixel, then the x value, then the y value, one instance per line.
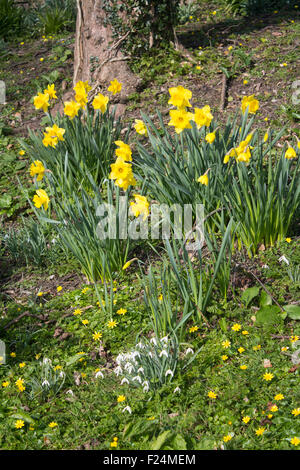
pixel 127 408
pixel 163 353
pixel 169 372
pixel 99 374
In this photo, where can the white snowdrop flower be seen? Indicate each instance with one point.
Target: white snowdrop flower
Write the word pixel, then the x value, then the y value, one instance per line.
pixel 127 408
pixel 169 372
pixel 137 378
pixel 177 389
pixel 45 383
pixel 153 341
pixel 165 339
pixel 189 351
pixel 150 354
pixel 265 266
pixel 141 345
pixel 61 374
pixel 146 386
pixel 128 366
pixel 141 370
pixel 163 353
pixel 283 258
pixel 99 374
pixel 124 381
pixel 118 370
pixel 53 241
pixel 70 392
pixel 136 354
pixel 46 360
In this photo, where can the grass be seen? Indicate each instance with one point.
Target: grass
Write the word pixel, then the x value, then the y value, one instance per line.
pixel 37 303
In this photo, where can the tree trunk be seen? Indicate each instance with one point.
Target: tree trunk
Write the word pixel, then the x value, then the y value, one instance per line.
pixel 98 57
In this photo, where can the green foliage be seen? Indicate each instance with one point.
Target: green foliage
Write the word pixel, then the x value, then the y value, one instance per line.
pixel 54 16
pixel 252 7
pixel 10 19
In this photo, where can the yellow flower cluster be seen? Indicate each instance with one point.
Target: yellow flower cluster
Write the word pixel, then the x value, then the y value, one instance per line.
pixel 53 135
pixel 41 101
pixel 242 152
pixel 121 170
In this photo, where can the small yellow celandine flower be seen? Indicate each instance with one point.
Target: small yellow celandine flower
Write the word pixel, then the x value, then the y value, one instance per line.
pixel 246 419
pixel 41 199
pixel 121 311
pixel 230 48
pixel 5 384
pixel 22 364
pixel 21 153
pixel 274 408
pixel 260 431
pixel 58 367
pixel 59 288
pixel 251 102
pixel 236 327
pixel 140 127
pixel 193 329
pixel 97 335
pixel 245 332
pixel 140 206
pixel 115 86
pixel 37 356
pixel 288 240
pixel 112 324
pixel 226 344
pixel 19 424
pixel 296 412
pixel 20 384
pixel 50 90
pixel 295 441
pixel 71 108
pixel 279 397
pixel 114 442
pixel 245 82
pixel 41 101
pixel 121 398
pixel 290 153
pixel 13 354
pixel 243 367
pixel 210 137
pixel 53 424
pixel 77 311
pixel 284 348
pixel 295 338
pixel 241 350
pixel 257 347
pixel 85 290
pixel 212 395
pixel 268 376
pixel 270 416
pixel 224 357
pixel 85 322
pixel 203 179
pixel 100 103
pixel 227 438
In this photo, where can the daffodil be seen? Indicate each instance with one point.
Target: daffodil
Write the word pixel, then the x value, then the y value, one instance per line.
pixel 115 86
pixel 251 103
pixel 140 206
pixel 180 97
pixel 41 101
pixel 37 168
pixel 71 108
pixel 140 127
pixel 180 119
pixel 41 199
pixel 203 116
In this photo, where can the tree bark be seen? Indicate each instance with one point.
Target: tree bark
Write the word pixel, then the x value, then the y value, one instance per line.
pixel 98 57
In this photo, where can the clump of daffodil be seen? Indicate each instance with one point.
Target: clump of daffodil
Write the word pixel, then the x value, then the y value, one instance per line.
pixel 180 97
pixel 180 119
pixel 53 135
pixel 124 151
pixel 81 93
